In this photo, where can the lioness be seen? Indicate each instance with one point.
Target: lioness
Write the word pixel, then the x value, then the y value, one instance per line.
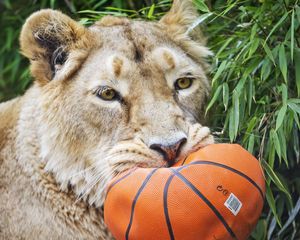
pixel 106 98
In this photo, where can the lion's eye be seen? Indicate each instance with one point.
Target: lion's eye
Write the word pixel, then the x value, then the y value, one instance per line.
pixel 183 83
pixel 107 94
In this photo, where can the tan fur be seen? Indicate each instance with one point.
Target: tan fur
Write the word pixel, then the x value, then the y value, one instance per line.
pixel 60 144
pixel 169 59
pixel 117 65
pixel 109 21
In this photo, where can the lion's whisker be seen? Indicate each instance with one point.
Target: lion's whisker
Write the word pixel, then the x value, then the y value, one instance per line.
pixel 96 178
pixel 82 172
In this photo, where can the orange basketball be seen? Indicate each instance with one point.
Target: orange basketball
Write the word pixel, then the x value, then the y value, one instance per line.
pixel 215 193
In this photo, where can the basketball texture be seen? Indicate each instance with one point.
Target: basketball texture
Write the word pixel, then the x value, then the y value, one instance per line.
pixel 215 193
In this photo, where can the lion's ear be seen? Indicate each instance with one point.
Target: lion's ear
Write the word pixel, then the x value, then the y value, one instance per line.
pixel 179 23
pixel 47 38
pixel 182 15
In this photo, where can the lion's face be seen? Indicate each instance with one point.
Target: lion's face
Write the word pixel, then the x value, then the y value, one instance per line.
pixel 117 95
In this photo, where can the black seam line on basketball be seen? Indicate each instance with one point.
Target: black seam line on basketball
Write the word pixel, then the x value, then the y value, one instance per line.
pixel 119 180
pixel 208 203
pixel 135 200
pixel 184 161
pixel 232 170
pixel 166 210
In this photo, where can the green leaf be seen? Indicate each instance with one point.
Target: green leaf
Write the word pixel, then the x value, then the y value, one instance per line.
pixel 253 31
pixel 271 229
pixel 292 35
pixel 251 143
pixel 224 45
pixel 52 3
pixel 260 231
pixel 198 21
pixel 282 142
pixel 296 118
pixel 271 202
pixel 254 46
pixel 276 142
pixel 297 8
pixel 275 179
pixel 240 86
pixel 231 125
pixel 236 108
pixel 201 6
pixel 280 116
pixel 214 99
pixel 151 11
pixel 250 95
pixel 294 100
pixel 283 62
pixel 295 107
pixel 271 157
pixel 297 69
pixel 293 214
pixel 219 72
pixel 269 53
pixel 265 70
pixel 276 26
pixel 284 92
pixel 251 125
pixel 225 95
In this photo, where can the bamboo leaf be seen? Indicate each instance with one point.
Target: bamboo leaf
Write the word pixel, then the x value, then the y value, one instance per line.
pixel 254 46
pixel 219 72
pixel 214 99
pixel 276 26
pixel 269 53
pixel 284 92
pixel 231 125
pixel 297 69
pixel 225 95
pixel 275 179
pixel 151 11
pixel 292 35
pixel 251 143
pixel 271 202
pixel 295 107
pixel 253 31
pixel 240 85
pixel 297 9
pixel 271 157
pixel 201 6
pixel 271 228
pixel 236 109
pixel 296 118
pixel 276 142
pixel 282 142
pixel 52 3
pixel 280 116
pixel 265 70
pixel 251 125
pixel 293 214
pixel 250 95
pixel 224 45
pixel 283 62
pixel 260 230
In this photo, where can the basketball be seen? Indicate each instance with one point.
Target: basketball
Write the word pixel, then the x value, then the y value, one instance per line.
pixel 215 193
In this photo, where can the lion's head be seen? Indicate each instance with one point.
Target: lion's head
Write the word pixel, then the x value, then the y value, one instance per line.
pixel 116 95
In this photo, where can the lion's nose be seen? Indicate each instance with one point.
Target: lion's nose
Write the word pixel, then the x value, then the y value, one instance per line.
pixel 169 152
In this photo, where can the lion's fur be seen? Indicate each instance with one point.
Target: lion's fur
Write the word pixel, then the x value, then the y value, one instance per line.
pixel 60 144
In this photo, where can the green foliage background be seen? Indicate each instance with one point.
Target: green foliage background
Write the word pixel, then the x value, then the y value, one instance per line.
pixel 255 80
